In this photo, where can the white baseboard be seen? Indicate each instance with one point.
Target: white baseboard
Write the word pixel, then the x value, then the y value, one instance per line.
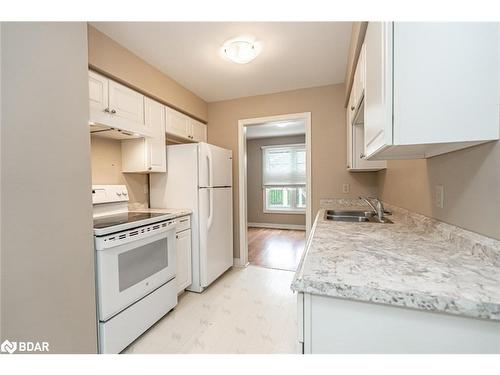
pixel 277 226
pixel 237 263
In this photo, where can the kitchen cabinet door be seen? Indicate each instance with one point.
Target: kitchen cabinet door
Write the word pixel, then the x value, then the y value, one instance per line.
pixel 154 116
pixel 98 91
pixel 198 131
pixel 177 124
pixel 183 260
pixel 349 119
pixel 431 88
pixel 359 161
pixel 378 87
pixel 98 98
pixel 127 107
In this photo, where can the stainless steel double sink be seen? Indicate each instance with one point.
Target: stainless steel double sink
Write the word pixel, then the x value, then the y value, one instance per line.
pixel 354 216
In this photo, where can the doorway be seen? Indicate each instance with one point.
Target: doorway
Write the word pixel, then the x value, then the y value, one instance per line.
pixel 275 189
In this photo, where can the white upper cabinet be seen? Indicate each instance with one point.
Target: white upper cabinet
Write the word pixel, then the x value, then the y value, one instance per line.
pixel 198 131
pixel 144 155
pixel 430 88
pixel 358 86
pixel 182 127
pixel 356 160
pixel 155 114
pixel 115 105
pixel 98 92
pixel 177 124
pixel 127 106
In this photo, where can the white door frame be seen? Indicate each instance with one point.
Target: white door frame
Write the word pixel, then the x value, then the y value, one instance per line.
pixel 242 174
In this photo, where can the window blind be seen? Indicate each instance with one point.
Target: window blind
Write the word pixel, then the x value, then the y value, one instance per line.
pixel 284 165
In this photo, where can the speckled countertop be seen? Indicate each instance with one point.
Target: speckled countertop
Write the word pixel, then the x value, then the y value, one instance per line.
pixel 176 212
pixel 417 262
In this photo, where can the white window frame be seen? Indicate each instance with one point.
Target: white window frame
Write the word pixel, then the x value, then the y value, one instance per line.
pixel 294 210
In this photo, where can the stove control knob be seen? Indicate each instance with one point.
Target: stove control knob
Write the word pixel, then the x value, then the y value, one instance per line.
pixel 124 193
pixel 118 193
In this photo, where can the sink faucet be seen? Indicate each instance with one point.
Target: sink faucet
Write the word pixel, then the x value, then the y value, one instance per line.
pixel 378 208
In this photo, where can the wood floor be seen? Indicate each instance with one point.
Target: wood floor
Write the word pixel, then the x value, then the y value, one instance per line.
pixel 275 248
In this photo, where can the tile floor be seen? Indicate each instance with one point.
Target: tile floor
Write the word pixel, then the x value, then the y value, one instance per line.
pixel 248 310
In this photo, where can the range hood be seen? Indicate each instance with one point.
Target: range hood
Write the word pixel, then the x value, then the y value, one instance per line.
pixel 106 131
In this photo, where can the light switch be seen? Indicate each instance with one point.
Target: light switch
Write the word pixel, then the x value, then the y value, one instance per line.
pixel 439 197
pixel 345 188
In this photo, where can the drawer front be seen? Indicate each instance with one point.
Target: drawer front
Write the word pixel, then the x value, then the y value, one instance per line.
pixel 183 223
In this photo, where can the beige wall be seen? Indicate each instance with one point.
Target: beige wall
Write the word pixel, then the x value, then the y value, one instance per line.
pixel 255 209
pixel 47 248
pixel 326 105
pixel 471 180
pixel 106 170
pixel 112 59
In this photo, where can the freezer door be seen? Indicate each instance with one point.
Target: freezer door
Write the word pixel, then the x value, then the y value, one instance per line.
pixel 215 166
pixel 216 233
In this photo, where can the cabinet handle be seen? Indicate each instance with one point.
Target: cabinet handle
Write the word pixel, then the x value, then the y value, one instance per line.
pixel 113 111
pixel 177 236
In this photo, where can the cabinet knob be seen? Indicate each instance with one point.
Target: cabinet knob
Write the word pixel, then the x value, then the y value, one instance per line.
pixel 362 156
pixel 113 111
pixel 106 110
pixel 150 168
pixel 352 108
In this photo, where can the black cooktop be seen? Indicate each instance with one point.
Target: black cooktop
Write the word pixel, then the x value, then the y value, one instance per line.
pixel 123 218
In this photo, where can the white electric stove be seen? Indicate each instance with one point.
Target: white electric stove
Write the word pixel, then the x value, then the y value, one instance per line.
pixel 135 267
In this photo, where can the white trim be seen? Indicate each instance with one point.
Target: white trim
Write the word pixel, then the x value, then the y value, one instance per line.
pixel 284 212
pixel 291 211
pixel 297 145
pixel 277 226
pixel 242 173
pixel 237 263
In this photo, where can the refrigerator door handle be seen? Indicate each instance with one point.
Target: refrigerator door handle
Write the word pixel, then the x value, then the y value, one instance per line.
pixel 210 167
pixel 210 208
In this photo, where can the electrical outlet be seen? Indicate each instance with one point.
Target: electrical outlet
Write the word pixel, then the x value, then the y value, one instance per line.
pixel 345 188
pixel 439 197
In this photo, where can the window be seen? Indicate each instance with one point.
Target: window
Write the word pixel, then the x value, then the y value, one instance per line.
pixel 284 178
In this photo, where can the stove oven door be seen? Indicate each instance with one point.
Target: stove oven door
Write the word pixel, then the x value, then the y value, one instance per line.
pixel 128 272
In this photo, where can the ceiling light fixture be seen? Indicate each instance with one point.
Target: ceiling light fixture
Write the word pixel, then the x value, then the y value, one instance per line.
pixel 241 50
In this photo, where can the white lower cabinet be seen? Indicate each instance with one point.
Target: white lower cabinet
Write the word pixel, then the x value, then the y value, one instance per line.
pixel 329 325
pixel 183 249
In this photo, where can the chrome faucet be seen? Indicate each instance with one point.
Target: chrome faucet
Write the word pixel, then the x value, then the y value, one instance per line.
pixel 378 208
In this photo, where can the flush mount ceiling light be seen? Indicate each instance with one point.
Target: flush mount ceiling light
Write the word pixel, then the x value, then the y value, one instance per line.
pixel 241 50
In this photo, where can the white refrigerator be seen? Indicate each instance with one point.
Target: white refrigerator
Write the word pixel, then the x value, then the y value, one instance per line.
pixel 199 177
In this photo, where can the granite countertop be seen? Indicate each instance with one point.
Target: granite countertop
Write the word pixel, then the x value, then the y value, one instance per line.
pixel 417 262
pixel 176 212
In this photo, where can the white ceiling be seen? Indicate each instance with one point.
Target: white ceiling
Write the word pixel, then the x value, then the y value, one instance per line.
pixel 294 55
pixel 271 129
